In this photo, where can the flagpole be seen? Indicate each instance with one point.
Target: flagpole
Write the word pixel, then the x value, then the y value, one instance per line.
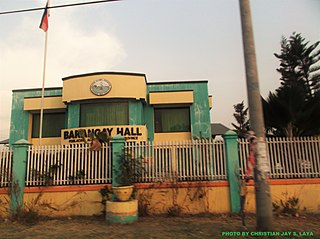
pixel 43 82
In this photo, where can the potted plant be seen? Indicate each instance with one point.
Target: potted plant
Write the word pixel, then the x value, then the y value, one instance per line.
pixel 126 175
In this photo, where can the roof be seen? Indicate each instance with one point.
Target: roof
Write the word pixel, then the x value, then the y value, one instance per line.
pixel 218 129
pixel 106 73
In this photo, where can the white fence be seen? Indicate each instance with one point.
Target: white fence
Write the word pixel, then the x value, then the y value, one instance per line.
pixel 289 157
pixel 5 166
pixel 192 160
pixel 67 165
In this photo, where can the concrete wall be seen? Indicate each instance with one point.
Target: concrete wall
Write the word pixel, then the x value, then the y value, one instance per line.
pixel 199 110
pixel 19 124
pixel 192 198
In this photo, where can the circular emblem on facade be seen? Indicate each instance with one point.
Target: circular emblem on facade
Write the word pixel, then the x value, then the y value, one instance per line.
pixel 100 87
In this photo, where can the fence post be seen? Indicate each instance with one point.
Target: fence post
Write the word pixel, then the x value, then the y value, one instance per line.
pixel 232 160
pixel 19 167
pixel 117 144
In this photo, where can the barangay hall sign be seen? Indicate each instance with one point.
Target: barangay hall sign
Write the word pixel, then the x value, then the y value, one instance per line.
pixel 129 132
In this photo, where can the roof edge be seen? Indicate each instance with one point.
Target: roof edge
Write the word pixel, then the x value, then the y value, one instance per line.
pixel 107 72
pixel 33 89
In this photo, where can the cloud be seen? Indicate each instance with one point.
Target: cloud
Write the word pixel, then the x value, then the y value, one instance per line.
pixel 74 50
pixel 71 50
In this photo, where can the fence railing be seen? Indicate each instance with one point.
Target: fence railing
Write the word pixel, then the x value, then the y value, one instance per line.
pixel 68 165
pixel 5 166
pixel 191 160
pixel 289 157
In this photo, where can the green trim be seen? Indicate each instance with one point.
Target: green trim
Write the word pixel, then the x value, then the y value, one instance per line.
pixel 121 219
pixel 38 89
pixel 166 91
pixel 39 97
pixel 177 82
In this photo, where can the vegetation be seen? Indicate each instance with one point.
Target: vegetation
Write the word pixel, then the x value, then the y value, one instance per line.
pixel 293 109
pixel 290 205
pixel 241 116
pixel 130 169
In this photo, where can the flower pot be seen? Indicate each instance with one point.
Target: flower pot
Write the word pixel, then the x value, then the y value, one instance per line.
pixel 123 193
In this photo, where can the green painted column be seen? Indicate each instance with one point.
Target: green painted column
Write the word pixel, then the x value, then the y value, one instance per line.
pixel 148 116
pixel 135 113
pixel 117 144
pixel 73 116
pixel 119 212
pixel 232 159
pixel 19 167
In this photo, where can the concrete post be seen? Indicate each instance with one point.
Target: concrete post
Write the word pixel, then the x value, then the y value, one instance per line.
pixel 19 167
pixel 232 159
pixel 262 168
pixel 118 211
pixel 117 143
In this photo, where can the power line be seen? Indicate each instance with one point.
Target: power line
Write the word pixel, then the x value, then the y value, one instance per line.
pixel 57 6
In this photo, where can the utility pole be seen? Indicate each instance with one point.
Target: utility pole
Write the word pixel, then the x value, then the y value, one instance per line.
pixel 262 168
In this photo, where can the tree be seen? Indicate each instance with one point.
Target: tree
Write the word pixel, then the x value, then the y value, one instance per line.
pixel 287 113
pixel 293 110
pixel 299 62
pixel 241 116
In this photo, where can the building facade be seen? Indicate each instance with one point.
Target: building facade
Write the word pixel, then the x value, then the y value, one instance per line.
pixel 113 102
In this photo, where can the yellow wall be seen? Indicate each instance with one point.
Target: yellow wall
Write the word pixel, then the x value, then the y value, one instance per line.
pixel 4 204
pixel 174 97
pixel 81 203
pixel 123 86
pixel 48 103
pixel 46 141
pixel 192 198
pixel 308 194
pixel 162 137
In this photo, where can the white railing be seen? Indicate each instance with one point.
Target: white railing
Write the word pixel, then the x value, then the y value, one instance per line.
pixel 68 165
pixel 193 160
pixel 190 160
pixel 5 166
pixel 289 157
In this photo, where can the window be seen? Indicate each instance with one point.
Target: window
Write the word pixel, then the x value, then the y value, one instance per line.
pixel 100 114
pixel 172 120
pixel 51 126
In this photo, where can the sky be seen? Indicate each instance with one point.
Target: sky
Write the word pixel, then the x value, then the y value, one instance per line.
pixel 168 40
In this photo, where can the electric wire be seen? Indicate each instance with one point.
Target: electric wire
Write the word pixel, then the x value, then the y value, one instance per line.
pixel 57 6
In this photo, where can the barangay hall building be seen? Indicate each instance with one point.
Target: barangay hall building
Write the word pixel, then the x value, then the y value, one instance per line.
pixel 115 102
